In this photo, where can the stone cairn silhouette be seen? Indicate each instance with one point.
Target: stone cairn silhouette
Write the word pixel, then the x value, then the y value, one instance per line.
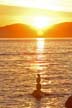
pixel 37 93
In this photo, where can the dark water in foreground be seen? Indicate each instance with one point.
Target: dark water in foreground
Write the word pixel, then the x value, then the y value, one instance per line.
pixel 22 60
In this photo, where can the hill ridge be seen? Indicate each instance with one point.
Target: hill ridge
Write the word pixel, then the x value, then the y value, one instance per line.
pixel 19 30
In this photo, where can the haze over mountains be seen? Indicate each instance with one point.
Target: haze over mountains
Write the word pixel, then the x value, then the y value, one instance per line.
pixel 61 30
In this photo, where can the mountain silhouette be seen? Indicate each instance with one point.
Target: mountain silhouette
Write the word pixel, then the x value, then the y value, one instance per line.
pixel 61 30
pixel 17 31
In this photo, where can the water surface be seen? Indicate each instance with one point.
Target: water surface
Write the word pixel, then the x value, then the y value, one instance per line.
pixel 22 60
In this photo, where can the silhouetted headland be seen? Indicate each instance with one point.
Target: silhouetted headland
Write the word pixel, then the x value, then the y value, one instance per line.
pixel 17 31
pixel 68 103
pixel 61 30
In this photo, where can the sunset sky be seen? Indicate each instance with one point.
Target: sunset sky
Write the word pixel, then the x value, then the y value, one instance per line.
pixel 38 13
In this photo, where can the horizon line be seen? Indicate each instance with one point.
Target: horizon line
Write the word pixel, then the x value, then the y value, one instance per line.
pixel 35 38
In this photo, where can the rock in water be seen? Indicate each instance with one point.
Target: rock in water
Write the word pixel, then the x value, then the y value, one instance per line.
pixel 68 103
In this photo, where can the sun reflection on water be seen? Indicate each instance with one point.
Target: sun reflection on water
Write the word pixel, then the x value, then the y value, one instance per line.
pixel 36 66
pixel 40 44
pixel 40 51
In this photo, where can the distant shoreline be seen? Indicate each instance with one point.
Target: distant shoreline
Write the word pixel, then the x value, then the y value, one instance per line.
pixel 35 38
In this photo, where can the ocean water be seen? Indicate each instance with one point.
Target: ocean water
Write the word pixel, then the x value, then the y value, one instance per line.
pixel 22 60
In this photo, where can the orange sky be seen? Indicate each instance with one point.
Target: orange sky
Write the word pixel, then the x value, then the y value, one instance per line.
pixel 33 12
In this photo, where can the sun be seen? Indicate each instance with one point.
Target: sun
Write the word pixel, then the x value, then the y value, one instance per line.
pixel 41 22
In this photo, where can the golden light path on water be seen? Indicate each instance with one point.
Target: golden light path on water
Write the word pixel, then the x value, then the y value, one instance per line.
pixel 40 44
pixel 36 66
pixel 40 51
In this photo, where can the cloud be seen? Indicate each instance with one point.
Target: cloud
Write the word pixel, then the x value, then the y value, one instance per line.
pixel 15 10
pixel 64 5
